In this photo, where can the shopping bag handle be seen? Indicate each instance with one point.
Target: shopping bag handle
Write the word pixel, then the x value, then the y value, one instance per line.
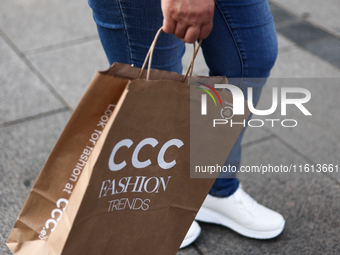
pixel 191 66
pixel 149 56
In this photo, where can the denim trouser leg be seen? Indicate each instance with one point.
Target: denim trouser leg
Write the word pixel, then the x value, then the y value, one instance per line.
pixel 127 28
pixel 242 45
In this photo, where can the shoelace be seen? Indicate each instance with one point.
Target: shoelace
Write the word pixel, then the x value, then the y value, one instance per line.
pixel 248 202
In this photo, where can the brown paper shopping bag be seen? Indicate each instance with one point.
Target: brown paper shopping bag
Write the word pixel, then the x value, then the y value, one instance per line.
pixel 118 179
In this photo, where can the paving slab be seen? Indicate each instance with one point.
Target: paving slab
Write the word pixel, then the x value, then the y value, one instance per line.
pixel 22 93
pixel 317 137
pixel 284 42
pixel 327 49
pixel 309 35
pixel 281 17
pixel 3 248
pixel 190 250
pixel 32 24
pixel 303 33
pixel 26 147
pixel 325 13
pixel 268 157
pixel 301 199
pixel 299 63
pixel 70 70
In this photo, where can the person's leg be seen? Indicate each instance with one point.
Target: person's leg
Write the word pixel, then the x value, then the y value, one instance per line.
pixel 241 46
pixel 126 29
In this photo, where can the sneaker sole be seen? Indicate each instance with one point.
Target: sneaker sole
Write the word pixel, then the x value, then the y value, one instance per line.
pixel 210 216
pixel 190 240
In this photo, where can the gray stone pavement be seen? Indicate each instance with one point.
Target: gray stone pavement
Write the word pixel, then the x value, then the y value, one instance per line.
pixel 49 51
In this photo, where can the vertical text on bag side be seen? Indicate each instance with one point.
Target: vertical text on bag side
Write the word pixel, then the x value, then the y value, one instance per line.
pixel 56 213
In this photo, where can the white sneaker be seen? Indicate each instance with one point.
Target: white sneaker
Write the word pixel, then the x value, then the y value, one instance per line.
pixel 243 214
pixel 192 234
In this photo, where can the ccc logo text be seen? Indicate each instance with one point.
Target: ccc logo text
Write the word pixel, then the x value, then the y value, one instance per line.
pixel 113 166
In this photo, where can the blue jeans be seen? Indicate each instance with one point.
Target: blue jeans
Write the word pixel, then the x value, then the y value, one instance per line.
pixel 242 44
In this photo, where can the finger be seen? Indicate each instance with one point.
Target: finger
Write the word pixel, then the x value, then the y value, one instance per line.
pixel 169 25
pixel 205 30
pixel 180 30
pixel 191 34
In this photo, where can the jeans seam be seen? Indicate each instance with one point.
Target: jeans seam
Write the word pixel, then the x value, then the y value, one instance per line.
pixel 126 32
pixel 235 42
